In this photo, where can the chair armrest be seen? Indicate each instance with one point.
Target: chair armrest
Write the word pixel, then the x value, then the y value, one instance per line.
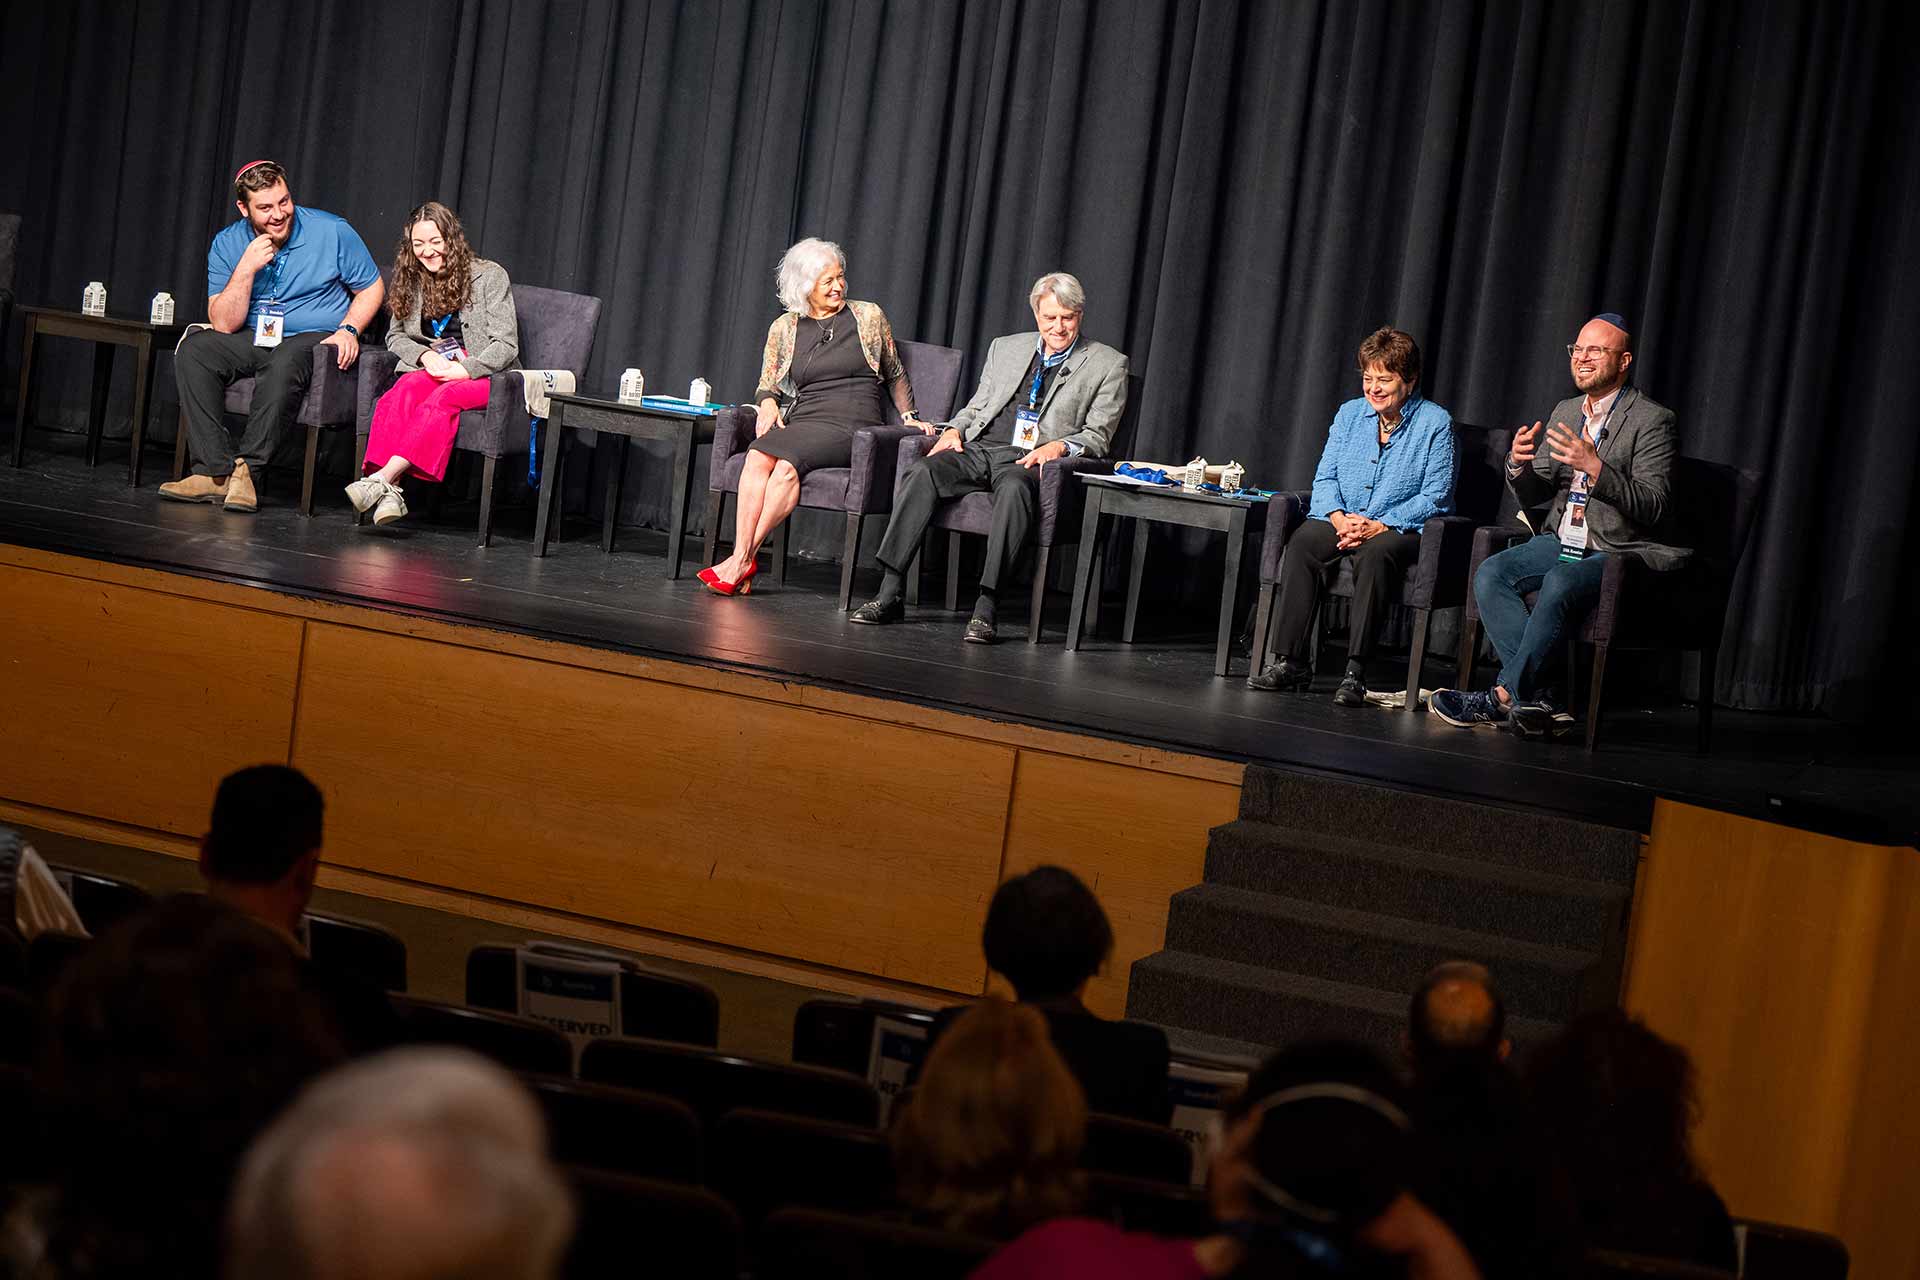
pixel 375 375
pixel 1063 497
pixel 1488 540
pixel 910 449
pixel 1286 511
pixel 1439 579
pixel 732 433
pixel 873 465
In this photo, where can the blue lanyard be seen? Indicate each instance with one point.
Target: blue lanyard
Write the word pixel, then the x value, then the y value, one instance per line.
pixel 273 281
pixel 1046 362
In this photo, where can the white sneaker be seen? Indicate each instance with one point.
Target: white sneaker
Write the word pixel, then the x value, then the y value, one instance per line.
pixel 363 494
pixel 392 506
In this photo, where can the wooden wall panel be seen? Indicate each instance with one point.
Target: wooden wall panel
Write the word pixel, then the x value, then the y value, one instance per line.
pixel 130 705
pixel 1785 962
pixel 851 843
pixel 1136 837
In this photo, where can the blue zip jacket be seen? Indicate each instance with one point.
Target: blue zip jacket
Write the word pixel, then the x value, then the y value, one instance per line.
pixel 1402 484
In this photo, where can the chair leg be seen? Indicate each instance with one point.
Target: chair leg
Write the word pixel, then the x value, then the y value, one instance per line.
pixel 1469 645
pixel 779 552
pixel 716 511
pixel 1703 733
pixel 359 466
pixel 1262 621
pixel 486 500
pixel 953 570
pixel 306 471
pixel 1593 696
pixel 180 448
pixel 1037 610
pixel 1422 620
pixel 849 554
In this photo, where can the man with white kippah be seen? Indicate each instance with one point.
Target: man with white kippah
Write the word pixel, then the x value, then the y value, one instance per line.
pixel 1039 400
pixel 1607 483
pixel 280 281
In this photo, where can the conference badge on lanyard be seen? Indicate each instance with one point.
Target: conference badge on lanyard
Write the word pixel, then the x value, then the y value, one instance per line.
pixel 269 325
pixel 1026 428
pixel 1573 521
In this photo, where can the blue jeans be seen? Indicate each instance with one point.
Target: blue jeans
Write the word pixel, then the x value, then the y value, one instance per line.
pixel 1528 641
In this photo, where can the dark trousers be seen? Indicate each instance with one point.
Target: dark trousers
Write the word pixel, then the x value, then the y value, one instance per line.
pixel 1312 557
pixel 1528 640
pixel 208 362
pixel 978 467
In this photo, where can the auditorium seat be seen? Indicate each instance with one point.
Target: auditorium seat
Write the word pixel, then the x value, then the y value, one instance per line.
pixel 764 1160
pixel 101 901
pixel 1642 608
pixel 1439 579
pixel 634 1227
pixel 813 1244
pixel 835 1034
pixel 625 1131
pixel 357 949
pixel 1602 1264
pixel 1151 1205
pixel 1056 524
pixel 1770 1251
pixel 653 1005
pixel 861 489
pixel 518 1044
pixel 1136 1149
pixel 715 1083
pixel 556 332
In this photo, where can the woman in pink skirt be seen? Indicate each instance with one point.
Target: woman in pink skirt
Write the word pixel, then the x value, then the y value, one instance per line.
pixel 453 327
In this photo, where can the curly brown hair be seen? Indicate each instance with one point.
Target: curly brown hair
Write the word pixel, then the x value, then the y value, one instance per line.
pixel 413 285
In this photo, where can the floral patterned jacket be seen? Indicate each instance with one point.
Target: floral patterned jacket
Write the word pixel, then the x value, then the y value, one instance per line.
pixel 876 342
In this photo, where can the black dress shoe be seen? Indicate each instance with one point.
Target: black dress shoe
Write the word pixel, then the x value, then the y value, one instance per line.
pixel 1285 674
pixel 980 631
pixel 1351 693
pixel 875 612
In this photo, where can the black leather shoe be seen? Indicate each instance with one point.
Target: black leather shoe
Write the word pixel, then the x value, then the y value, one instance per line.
pixel 1540 719
pixel 1284 675
pixel 875 613
pixel 980 631
pixel 1351 693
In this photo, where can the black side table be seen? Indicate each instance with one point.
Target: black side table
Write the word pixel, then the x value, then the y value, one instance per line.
pixel 106 333
pixel 650 421
pixel 1108 495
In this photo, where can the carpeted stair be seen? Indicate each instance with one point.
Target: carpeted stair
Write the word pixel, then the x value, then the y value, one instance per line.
pixel 1326 902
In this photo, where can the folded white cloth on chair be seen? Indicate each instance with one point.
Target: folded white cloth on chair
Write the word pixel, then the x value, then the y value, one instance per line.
pixel 538 384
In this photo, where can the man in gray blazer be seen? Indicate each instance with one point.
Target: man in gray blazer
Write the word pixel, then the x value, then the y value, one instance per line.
pixel 1038 401
pixel 1608 485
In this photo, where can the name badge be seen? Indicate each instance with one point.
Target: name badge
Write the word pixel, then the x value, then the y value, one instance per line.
pixel 1573 526
pixel 1026 428
pixel 269 325
pixel 450 348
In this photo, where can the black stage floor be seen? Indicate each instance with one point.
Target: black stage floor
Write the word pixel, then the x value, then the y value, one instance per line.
pixel 1159 691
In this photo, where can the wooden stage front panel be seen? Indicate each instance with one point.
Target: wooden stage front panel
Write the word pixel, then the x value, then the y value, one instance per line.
pixel 632 800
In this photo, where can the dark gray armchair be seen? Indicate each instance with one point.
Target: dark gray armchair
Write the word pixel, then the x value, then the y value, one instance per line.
pixel 862 488
pixel 328 403
pixel 1061 503
pixel 1438 579
pixel 556 332
pixel 9 250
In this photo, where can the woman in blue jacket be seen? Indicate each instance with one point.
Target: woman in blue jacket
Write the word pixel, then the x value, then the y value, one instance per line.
pixel 1387 469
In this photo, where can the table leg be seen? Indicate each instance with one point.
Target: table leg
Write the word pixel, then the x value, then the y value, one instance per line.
pixel 1229 589
pixel 142 396
pixel 549 464
pixel 97 411
pixel 1135 571
pixel 616 476
pixel 26 389
pixel 682 498
pixel 1083 571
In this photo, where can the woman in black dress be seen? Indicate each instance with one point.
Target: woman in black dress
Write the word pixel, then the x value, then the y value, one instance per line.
pixel 826 364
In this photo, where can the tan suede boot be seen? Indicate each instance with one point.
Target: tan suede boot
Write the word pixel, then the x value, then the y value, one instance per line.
pixel 240 495
pixel 196 489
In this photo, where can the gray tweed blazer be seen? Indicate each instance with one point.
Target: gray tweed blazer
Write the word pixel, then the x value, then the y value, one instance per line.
pixel 488 322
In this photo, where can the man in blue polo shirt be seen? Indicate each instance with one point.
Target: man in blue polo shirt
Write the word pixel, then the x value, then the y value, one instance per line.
pixel 280 281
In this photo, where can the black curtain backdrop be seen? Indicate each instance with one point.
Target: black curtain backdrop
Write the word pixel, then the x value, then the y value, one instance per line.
pixel 1247 188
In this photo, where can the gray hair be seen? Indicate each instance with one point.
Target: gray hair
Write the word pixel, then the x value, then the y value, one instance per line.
pixel 800 266
pixel 1065 289
pixel 427 1162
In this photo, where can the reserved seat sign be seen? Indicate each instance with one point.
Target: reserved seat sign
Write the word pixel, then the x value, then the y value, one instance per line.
pixel 577 993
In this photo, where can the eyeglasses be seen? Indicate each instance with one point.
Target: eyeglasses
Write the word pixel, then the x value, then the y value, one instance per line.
pixel 1594 352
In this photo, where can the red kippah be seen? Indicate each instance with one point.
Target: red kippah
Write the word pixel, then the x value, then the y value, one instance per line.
pixel 248 165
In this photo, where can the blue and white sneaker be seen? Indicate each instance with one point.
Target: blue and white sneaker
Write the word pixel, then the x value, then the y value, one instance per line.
pixel 1467 707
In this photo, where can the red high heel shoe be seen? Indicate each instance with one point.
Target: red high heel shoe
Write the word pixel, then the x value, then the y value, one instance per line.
pixel 741 586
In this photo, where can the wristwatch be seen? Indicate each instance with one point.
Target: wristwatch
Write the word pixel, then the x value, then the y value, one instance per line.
pixel 349 328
